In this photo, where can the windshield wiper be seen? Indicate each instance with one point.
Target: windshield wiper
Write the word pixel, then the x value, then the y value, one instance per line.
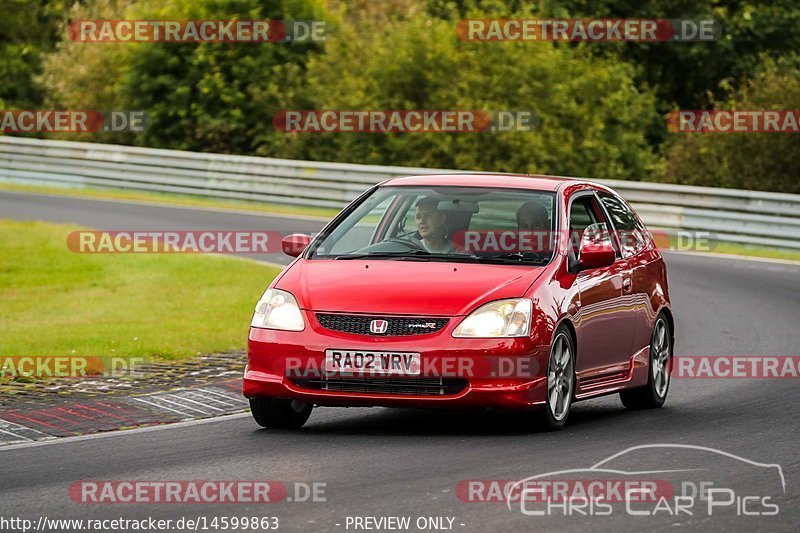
pixel 419 255
pixel 389 255
pixel 517 257
pixel 506 258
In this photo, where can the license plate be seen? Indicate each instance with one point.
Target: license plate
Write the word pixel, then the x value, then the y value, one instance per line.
pixel 368 362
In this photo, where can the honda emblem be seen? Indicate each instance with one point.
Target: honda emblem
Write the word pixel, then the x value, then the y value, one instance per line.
pixel 378 326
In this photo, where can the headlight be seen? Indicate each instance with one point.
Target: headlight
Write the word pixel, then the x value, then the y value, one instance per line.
pixel 503 318
pixel 278 309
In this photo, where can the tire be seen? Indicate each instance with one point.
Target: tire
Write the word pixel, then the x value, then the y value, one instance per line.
pixel 560 381
pixel 277 413
pixel 654 394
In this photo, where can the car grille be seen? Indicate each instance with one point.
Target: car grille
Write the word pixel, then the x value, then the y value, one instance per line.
pixel 397 325
pixel 434 386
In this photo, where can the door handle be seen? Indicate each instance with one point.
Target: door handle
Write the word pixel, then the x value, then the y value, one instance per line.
pixel 626 285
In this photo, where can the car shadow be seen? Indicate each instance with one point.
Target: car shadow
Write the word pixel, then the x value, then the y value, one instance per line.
pixel 452 422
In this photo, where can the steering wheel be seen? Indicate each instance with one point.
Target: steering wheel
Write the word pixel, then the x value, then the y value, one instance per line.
pixel 412 245
pixel 403 234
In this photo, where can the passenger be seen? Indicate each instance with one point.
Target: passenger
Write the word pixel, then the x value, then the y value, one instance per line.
pixel 532 218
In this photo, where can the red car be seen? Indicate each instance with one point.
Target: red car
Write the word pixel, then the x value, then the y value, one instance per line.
pixel 521 292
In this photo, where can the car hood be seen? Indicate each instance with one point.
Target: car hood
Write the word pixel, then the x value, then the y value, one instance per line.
pixel 403 287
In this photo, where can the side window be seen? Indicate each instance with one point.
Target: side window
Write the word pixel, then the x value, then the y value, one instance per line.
pixel 631 232
pixel 580 215
pixel 583 212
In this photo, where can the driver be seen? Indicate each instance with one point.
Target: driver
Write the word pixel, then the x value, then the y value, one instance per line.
pixel 432 226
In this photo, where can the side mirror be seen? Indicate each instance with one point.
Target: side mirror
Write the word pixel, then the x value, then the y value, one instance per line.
pixel 596 254
pixel 294 244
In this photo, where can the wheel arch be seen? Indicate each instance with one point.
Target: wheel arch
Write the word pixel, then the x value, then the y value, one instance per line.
pixel 567 323
pixel 667 312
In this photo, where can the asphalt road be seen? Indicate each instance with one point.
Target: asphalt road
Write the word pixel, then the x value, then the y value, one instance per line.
pixel 120 216
pixel 384 462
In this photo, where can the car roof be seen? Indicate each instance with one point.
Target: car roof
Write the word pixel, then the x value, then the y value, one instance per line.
pixel 505 181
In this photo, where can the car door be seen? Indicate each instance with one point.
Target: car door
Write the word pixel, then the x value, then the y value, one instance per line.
pixel 605 322
pixel 637 249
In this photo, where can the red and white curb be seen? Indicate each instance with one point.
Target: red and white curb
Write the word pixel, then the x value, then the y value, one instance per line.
pixel 92 415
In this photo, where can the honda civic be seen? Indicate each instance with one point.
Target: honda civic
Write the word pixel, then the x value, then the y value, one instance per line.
pixel 511 292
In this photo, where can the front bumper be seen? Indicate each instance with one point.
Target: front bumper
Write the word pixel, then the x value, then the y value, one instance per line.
pixel 504 373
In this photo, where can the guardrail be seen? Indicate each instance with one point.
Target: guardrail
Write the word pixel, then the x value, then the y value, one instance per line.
pixel 747 217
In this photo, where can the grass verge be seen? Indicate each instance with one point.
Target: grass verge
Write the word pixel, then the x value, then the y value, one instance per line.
pixel 755 251
pixel 156 306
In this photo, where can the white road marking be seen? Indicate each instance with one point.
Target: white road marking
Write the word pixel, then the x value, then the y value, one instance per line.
pixel 15 436
pixel 228 395
pixel 20 433
pixel 205 395
pixel 110 434
pixel 211 397
pixel 169 398
pixel 193 403
pixel 187 399
pixel 139 399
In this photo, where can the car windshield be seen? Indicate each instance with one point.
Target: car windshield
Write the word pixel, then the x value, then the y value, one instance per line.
pixel 459 224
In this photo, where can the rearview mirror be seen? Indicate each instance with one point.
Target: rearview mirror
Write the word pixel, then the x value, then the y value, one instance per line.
pixel 294 244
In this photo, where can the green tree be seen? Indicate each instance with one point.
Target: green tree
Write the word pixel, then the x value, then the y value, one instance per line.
pixel 28 28
pixel 756 161
pixel 214 96
pixel 688 74
pixel 592 114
